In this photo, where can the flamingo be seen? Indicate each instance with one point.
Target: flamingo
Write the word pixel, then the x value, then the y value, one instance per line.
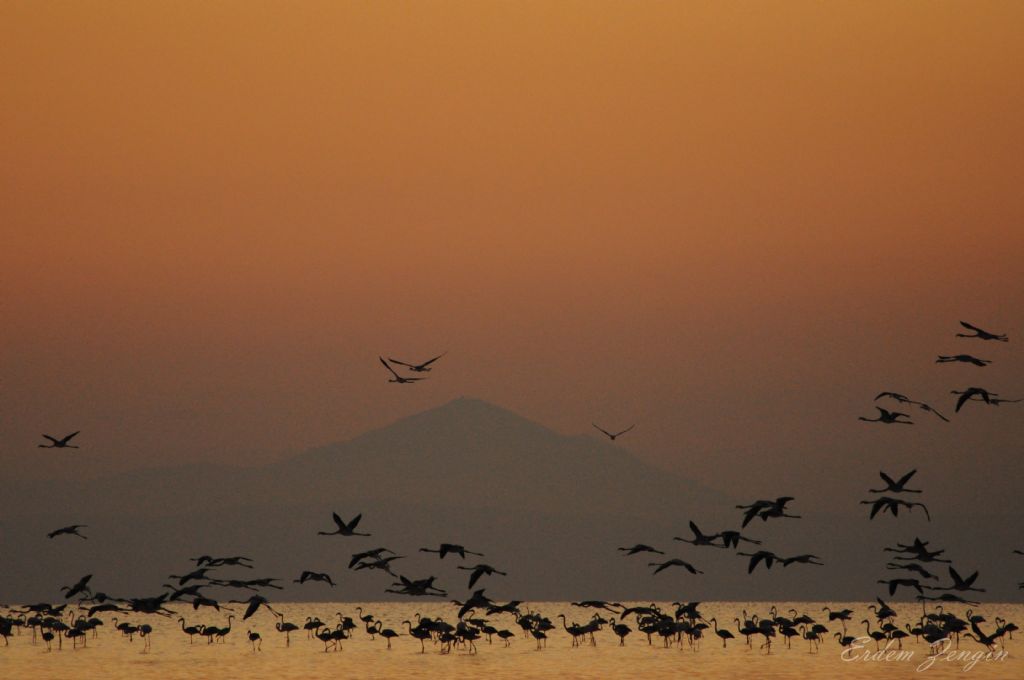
pixel 613 435
pixel 72 529
pixel 887 417
pixel 898 486
pixel 417 368
pixel 285 627
pixel 191 631
pixel 397 378
pixel 722 633
pixel 639 548
pixel 676 562
pixel 700 538
pixel 981 334
pixel 60 443
pixel 962 358
pixel 344 529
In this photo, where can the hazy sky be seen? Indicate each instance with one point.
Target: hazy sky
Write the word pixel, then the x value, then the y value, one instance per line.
pixel 734 223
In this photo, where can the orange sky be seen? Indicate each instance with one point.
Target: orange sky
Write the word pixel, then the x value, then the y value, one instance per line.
pixel 732 222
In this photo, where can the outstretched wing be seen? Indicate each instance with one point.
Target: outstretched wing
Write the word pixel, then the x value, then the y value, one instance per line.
pixel 906 478
pixel 355 522
pixel 52 439
pixel 427 363
pixel 887 479
pixel 604 430
pixel 70 436
pixel 626 430
pixel 338 520
pixel 387 366
pixel 970 327
pixel 400 363
pixel 926 407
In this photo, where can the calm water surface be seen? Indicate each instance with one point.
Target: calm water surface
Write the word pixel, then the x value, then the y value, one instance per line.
pixel 112 656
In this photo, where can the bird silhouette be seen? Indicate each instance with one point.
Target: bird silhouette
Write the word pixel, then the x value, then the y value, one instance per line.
pixel 892 506
pixel 254 603
pixel 765 509
pixel 767 557
pixel 314 576
pixel 731 539
pixel 639 548
pixel 801 559
pixel 969 395
pixel 962 358
pixel 676 562
pixel 72 529
pixel 375 553
pixel 611 435
pixel 960 583
pixel 397 378
pixel 382 563
pixel 910 566
pixel 700 538
pixel 453 549
pixel 480 570
pixel 981 334
pixel 418 368
pixel 902 582
pixel 887 417
pixel 896 486
pixel 344 529
pixel 80 587
pixel 904 399
pixel 59 443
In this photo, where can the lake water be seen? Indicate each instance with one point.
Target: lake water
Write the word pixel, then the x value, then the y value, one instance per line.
pixel 171 656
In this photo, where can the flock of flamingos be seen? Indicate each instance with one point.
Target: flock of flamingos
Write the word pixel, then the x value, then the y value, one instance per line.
pixel 915 566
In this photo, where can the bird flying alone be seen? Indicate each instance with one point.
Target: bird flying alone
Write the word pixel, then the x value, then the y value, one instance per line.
pixel 612 435
pixel 60 443
pixel 981 334
pixel 962 358
pixel 73 529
